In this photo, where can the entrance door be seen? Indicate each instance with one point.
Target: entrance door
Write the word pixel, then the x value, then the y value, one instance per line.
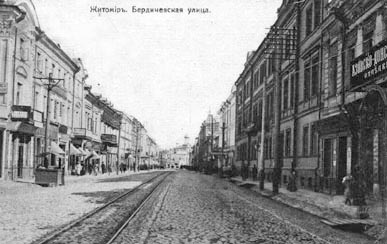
pixel 327 164
pixel 341 165
pixel 20 162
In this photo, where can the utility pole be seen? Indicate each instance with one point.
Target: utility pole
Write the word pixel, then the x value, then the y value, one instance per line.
pixel 52 82
pixel 223 142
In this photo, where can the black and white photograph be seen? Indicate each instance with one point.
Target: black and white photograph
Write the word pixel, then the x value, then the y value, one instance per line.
pixel 193 121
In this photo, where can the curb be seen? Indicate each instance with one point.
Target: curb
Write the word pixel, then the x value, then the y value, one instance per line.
pixel 277 199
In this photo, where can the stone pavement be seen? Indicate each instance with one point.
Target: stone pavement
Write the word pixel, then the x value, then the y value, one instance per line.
pixel 28 211
pixel 198 208
pixel 319 204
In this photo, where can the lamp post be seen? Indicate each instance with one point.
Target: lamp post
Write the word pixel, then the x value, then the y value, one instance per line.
pixel 52 82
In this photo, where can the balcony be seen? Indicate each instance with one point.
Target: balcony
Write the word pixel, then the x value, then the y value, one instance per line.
pixel 109 139
pixel 83 133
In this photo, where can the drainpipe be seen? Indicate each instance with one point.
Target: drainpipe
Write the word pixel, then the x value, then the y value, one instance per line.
pixel 13 100
pixel 320 107
pixel 296 80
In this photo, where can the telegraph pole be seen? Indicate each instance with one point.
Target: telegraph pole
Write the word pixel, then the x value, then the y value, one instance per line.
pixel 52 82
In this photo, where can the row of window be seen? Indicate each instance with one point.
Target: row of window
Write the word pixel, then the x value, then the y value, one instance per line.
pixel 44 67
pixel 309 144
pixel 265 70
pixel 255 116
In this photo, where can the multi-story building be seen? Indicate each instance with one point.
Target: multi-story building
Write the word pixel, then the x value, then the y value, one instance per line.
pixel 226 115
pixel 353 98
pixel 320 93
pixel 209 131
pixel 126 140
pixel 17 34
pixel 30 58
pixel 278 96
pixel 179 156
pixel 36 74
pixel 52 60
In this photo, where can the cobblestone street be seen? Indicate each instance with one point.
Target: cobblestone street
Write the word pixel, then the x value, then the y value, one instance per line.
pixel 196 208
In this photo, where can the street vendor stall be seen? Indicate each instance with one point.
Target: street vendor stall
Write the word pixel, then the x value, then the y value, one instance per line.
pixel 51 173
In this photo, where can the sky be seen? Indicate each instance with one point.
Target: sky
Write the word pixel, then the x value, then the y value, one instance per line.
pixel 166 69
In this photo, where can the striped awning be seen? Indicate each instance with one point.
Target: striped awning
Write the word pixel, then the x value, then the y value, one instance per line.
pixel 74 151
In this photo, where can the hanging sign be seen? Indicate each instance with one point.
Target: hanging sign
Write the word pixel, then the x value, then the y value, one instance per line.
pixel 369 65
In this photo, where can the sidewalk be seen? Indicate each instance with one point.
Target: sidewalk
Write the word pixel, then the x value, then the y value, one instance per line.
pixel 28 185
pixel 28 211
pixel 319 204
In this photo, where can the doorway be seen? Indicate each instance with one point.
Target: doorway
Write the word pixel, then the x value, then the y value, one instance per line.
pixel 20 161
pixel 327 164
pixel 341 165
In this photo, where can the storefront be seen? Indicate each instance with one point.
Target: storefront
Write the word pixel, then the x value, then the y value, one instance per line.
pixel 369 76
pixel 21 143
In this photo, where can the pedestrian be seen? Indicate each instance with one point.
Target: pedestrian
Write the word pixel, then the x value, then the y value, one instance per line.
pixel 292 181
pixel 94 168
pixel 103 168
pixel 255 172
pixel 78 168
pixel 83 170
pixel 121 167
pixel 347 181
pixel 243 169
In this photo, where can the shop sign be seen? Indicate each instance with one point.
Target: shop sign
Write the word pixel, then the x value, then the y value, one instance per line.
pixel 21 113
pixel 63 129
pixel 38 116
pixel 369 65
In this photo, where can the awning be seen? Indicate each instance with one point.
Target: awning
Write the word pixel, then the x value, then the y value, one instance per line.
pixel 84 152
pixel 74 150
pixel 22 127
pixel 54 149
pixel 93 155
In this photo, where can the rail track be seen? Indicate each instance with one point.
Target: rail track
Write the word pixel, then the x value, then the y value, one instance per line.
pixel 104 223
pixel 117 234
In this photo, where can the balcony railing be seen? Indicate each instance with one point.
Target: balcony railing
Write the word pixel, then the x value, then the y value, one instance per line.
pixel 85 134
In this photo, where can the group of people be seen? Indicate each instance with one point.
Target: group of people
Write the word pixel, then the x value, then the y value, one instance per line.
pixel 90 167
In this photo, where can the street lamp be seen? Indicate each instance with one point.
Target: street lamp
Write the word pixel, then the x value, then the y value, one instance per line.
pixel 52 82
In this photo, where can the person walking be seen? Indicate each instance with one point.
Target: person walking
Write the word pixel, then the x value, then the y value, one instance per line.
pixel 347 181
pixel 103 168
pixel 78 169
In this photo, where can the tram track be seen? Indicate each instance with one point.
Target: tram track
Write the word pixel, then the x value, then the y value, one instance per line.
pixel 99 225
pixel 140 208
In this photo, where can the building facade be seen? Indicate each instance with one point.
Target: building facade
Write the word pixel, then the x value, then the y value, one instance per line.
pixel 227 119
